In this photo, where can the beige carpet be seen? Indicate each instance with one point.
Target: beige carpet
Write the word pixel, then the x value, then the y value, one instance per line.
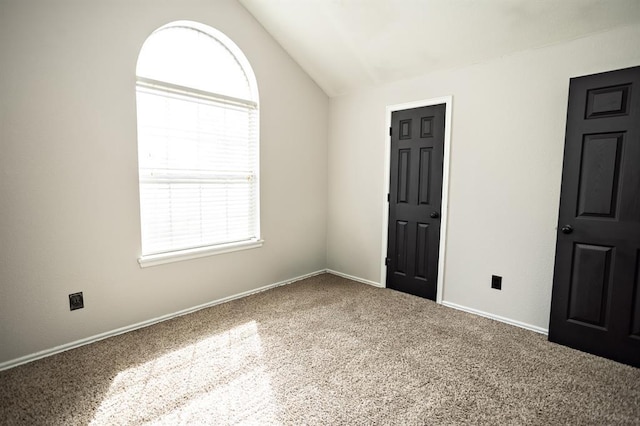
pixel 323 351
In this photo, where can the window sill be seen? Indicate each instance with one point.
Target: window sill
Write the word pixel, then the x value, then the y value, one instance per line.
pixel 177 256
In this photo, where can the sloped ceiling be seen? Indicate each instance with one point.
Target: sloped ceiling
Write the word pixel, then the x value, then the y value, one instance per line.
pixel 345 45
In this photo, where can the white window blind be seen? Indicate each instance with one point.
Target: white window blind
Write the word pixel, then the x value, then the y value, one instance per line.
pixel 198 164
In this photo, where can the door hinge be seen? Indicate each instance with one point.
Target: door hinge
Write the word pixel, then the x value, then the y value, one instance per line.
pixel 388 197
pixel 390 131
pixel 387 260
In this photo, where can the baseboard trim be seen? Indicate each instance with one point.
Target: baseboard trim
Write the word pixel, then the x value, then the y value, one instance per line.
pixel 62 348
pixel 453 305
pixel 48 352
pixel 353 278
pixel 497 318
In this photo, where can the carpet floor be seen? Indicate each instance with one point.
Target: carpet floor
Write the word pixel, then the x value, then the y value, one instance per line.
pixel 324 350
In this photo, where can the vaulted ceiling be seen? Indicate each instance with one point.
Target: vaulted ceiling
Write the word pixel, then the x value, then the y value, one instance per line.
pixel 345 45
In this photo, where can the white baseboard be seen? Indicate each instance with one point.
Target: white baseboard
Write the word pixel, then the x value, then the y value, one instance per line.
pixel 497 318
pixel 454 306
pixel 48 352
pixel 351 277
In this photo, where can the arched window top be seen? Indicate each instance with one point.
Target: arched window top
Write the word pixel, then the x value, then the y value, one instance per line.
pixel 196 56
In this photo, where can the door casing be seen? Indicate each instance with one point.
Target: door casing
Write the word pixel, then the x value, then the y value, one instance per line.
pixel 444 212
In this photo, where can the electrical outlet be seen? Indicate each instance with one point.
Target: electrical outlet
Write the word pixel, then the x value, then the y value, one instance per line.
pixel 76 301
pixel 496 282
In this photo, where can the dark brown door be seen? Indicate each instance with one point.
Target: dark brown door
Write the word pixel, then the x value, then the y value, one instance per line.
pixel 417 149
pixel 596 302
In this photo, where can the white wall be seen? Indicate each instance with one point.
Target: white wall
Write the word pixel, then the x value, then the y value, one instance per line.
pixel 69 212
pixel 506 162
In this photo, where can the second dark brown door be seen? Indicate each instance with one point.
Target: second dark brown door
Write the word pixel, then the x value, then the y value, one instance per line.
pixel 417 150
pixel 596 289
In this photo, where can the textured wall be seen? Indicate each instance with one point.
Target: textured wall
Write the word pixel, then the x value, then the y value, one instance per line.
pixel 69 215
pixel 506 162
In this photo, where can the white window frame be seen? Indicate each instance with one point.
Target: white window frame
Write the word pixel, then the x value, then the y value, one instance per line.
pixel 143 83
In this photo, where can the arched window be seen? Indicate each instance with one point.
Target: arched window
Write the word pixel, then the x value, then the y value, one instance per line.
pixel 198 156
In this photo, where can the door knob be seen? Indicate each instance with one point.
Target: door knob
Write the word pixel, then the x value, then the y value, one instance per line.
pixel 434 215
pixel 567 229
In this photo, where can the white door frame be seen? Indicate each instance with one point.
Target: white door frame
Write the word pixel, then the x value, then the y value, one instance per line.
pixel 444 212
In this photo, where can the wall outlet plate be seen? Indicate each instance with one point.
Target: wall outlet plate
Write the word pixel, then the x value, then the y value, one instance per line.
pixel 496 282
pixel 76 301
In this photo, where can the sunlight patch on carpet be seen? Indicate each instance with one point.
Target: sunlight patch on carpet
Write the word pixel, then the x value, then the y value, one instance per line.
pixel 220 378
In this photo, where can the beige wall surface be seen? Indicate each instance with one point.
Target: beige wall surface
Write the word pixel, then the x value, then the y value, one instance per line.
pixel 506 161
pixel 69 215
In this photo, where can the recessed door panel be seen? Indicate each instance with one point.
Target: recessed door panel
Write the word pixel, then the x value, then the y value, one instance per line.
pixel 422 251
pixel 402 238
pixel 635 315
pixel 599 175
pixel 405 129
pixel 607 101
pixel 404 168
pixel 590 284
pixel 425 175
pixel 426 127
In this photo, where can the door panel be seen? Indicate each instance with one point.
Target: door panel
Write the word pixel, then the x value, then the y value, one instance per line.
pixel 422 251
pixel 595 289
pixel 417 150
pixel 403 175
pixel 599 175
pixel 607 101
pixel 590 284
pixel 425 175
pixel 401 247
pixel 635 324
